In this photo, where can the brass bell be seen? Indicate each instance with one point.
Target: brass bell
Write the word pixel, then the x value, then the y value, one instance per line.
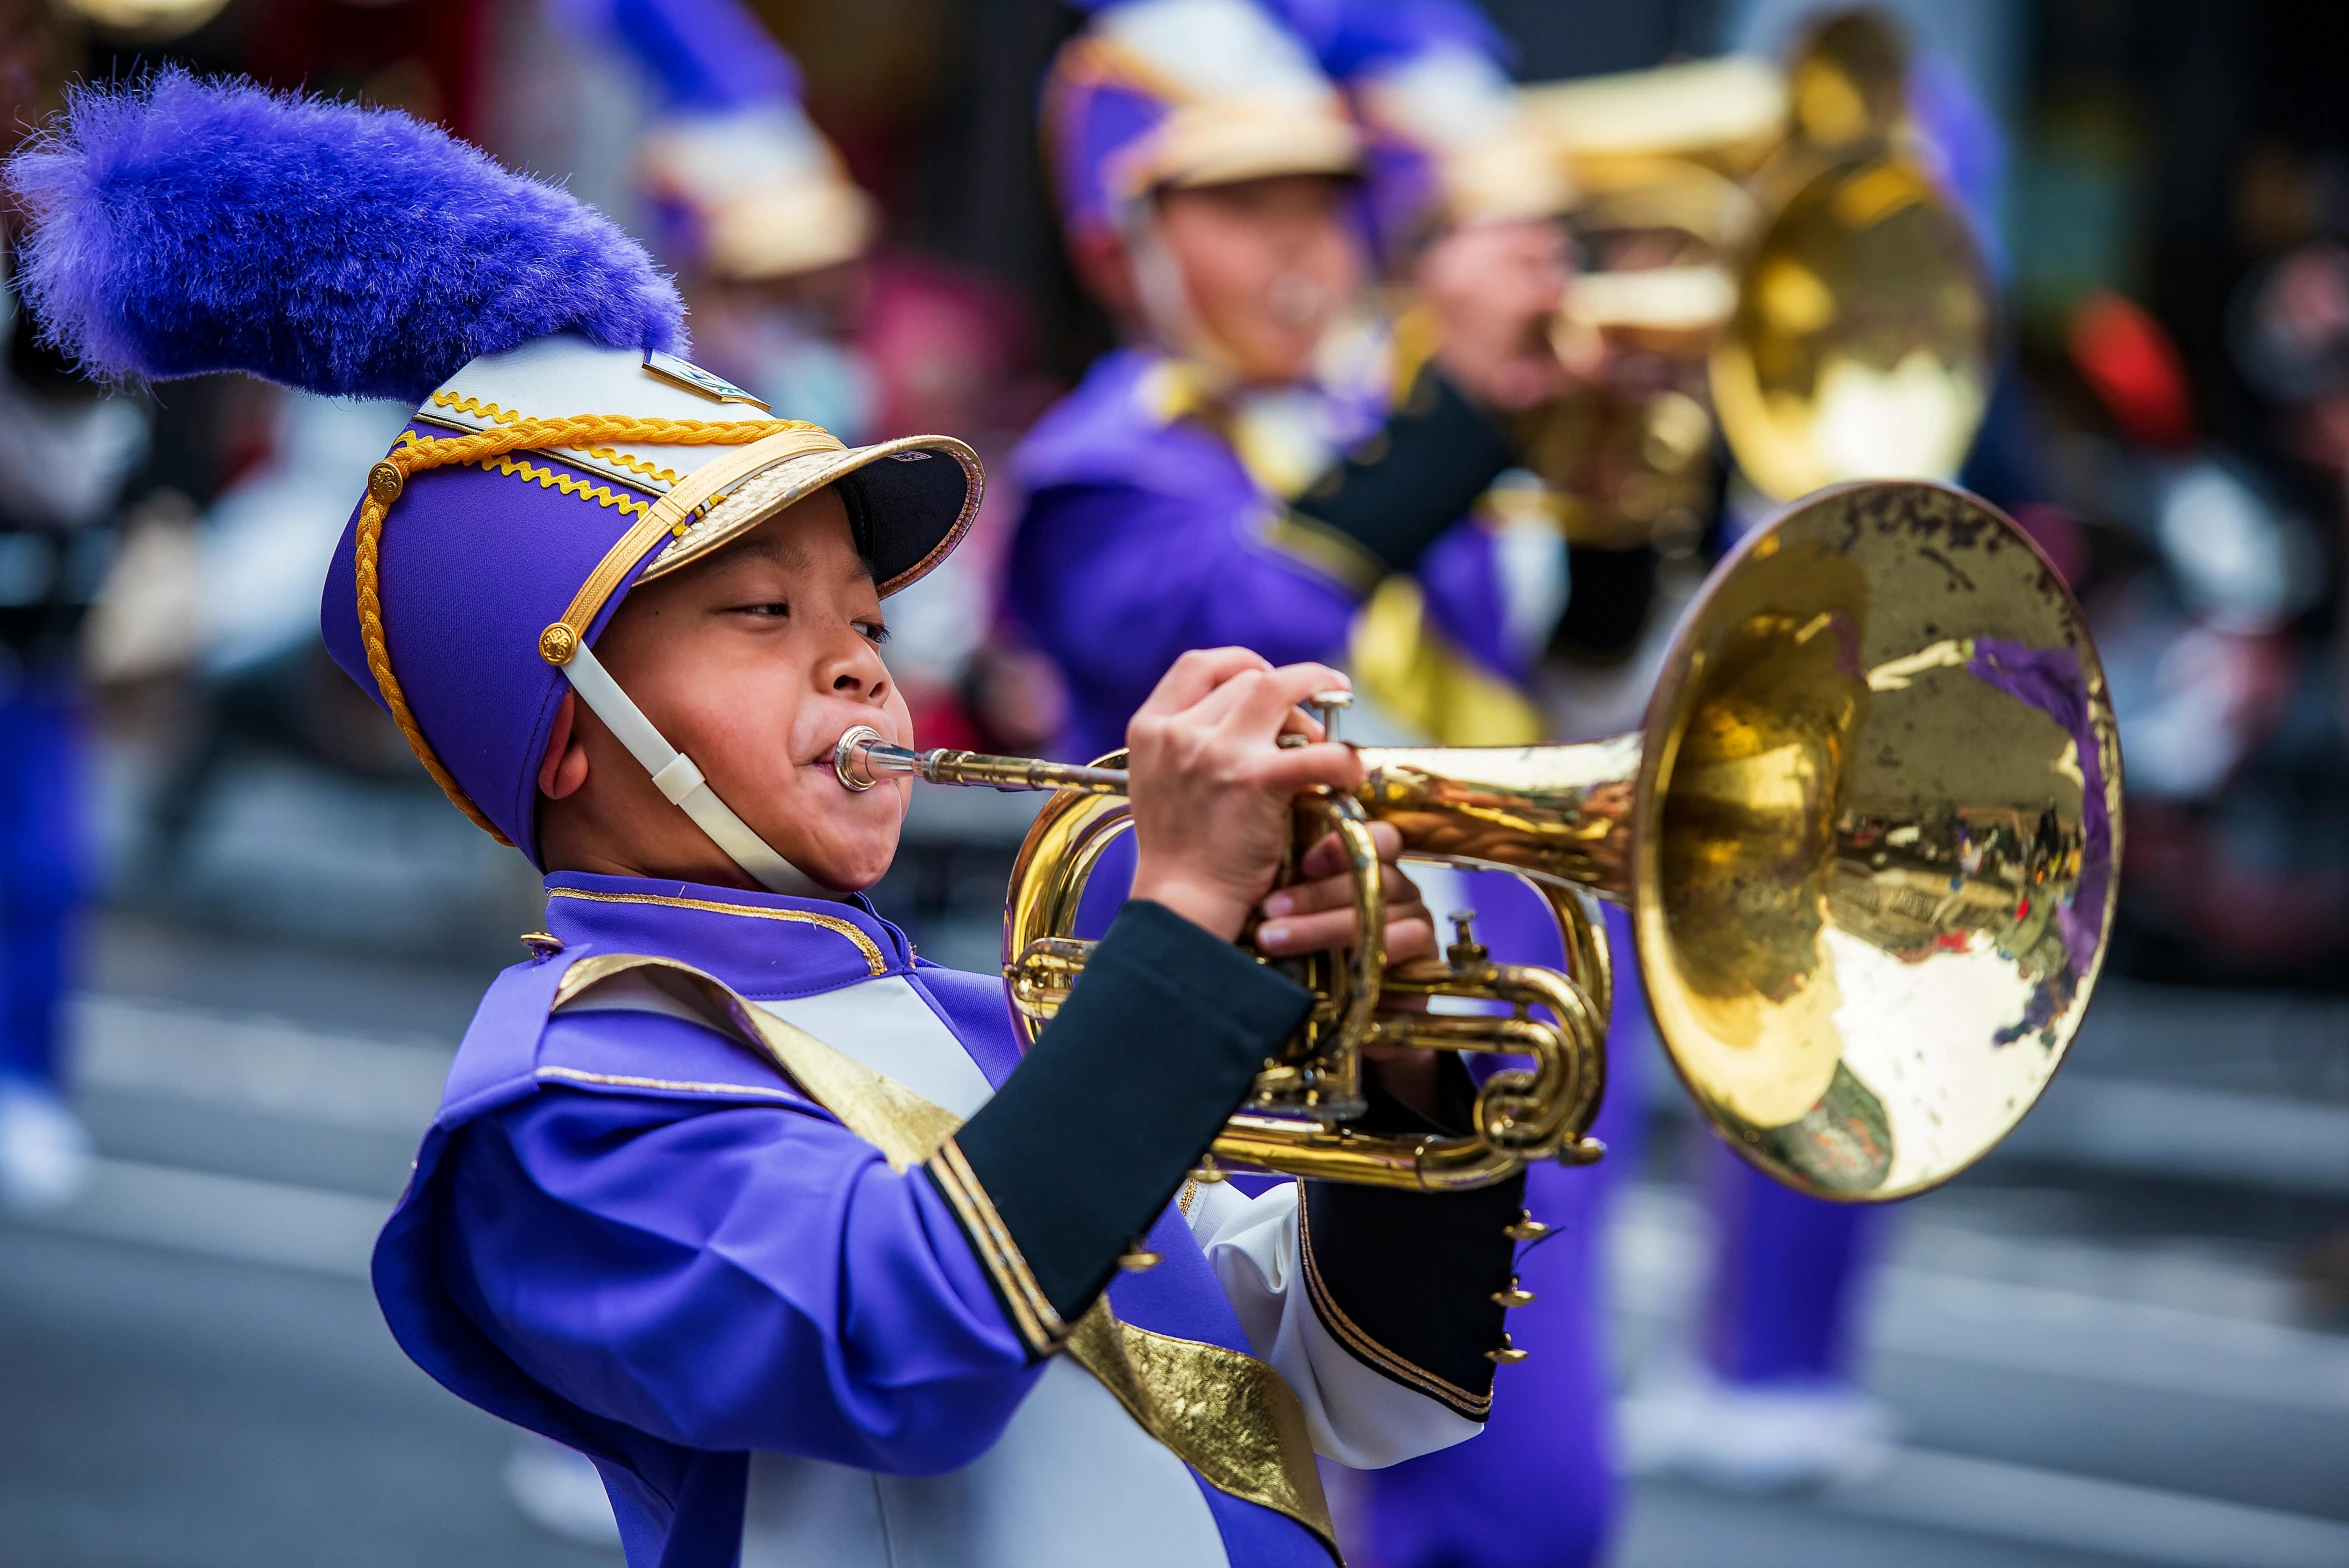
pixel 1508 1355
pixel 1526 1228
pixel 1515 1296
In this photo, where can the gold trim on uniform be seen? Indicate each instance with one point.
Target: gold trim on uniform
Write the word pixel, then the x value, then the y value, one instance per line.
pixel 1227 1415
pixel 1315 544
pixel 1476 1407
pixel 1403 662
pixel 680 1085
pixel 865 944
pixel 1031 1313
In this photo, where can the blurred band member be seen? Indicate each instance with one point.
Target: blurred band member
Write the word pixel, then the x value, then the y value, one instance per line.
pixel 65 450
pixel 750 205
pixel 1264 463
pixel 773 246
pixel 1260 458
pixel 1465 200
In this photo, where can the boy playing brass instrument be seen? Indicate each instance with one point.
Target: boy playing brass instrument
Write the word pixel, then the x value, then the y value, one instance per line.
pixel 729 1190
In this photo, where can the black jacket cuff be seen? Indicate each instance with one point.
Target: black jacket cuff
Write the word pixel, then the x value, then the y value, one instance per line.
pixel 1407 1281
pixel 1418 476
pixel 1129 1083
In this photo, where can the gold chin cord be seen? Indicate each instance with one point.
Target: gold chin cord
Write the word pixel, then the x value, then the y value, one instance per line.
pixel 1868 836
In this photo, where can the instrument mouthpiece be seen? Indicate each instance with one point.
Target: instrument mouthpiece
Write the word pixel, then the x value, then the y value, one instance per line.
pixel 863 759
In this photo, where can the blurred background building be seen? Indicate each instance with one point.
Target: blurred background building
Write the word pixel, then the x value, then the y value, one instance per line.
pixel 2124 1340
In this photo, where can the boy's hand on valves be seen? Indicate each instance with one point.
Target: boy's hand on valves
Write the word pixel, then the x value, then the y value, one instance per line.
pixel 1317 912
pixel 1211 786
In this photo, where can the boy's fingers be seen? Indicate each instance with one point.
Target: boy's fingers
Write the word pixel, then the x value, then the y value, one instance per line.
pixel 1268 707
pixel 1237 692
pixel 1327 859
pixel 1409 939
pixel 1311 897
pixel 1335 890
pixel 1196 674
pixel 1406 938
pixel 1295 769
pixel 1307 933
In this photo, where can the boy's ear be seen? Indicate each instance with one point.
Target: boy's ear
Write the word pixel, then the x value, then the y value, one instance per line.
pixel 565 767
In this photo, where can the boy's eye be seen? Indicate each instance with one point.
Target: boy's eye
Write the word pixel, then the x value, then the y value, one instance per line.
pixel 776 610
pixel 874 632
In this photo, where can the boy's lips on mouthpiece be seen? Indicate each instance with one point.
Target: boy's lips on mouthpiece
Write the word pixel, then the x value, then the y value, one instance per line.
pixel 824 758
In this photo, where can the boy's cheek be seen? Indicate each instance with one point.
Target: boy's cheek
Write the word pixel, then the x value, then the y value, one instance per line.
pixel 845 840
pixel 860 845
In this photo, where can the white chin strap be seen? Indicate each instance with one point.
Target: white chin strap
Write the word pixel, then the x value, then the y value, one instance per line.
pixel 675 776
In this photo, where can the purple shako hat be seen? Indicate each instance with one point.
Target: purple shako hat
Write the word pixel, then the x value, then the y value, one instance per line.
pixel 1155 93
pixel 187 227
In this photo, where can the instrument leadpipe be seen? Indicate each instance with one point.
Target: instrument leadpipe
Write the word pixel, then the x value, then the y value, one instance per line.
pixel 863 759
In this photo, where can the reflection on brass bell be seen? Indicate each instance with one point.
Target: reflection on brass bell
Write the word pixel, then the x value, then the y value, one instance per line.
pixel 1138 1258
pixel 1526 1228
pixel 1508 1355
pixel 1515 1296
pixel 542 944
pixel 1207 1172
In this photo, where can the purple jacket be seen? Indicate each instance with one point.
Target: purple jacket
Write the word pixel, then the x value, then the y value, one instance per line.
pixel 635 1236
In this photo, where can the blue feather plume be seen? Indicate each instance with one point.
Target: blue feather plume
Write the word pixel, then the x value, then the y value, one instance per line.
pixel 187 227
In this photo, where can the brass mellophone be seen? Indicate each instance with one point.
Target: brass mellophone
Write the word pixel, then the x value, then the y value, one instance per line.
pixel 1867 835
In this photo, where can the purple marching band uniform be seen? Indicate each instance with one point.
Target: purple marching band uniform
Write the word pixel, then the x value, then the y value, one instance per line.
pixel 1160 518
pixel 784 1342
pixel 728 1190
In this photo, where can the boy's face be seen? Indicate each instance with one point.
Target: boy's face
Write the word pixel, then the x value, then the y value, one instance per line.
pixel 752 662
pixel 1267 264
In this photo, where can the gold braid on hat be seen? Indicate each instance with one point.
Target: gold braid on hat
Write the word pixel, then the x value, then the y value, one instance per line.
pixel 386 480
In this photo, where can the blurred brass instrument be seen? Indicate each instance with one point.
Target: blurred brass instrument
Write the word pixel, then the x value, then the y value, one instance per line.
pixel 1768 251
pixel 147 21
pixel 1867 835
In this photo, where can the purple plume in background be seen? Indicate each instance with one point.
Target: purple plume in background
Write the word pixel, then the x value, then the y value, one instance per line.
pixel 184 227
